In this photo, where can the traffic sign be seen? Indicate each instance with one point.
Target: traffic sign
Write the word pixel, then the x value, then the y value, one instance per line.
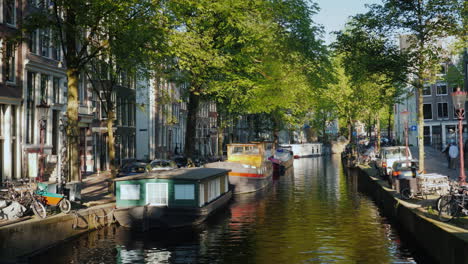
pixel 413 128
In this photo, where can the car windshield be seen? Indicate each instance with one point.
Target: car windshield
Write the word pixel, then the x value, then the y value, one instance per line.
pixel 394 153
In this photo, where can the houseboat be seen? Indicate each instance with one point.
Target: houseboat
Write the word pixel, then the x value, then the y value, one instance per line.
pixel 251 170
pixel 282 160
pixel 305 150
pixel 170 199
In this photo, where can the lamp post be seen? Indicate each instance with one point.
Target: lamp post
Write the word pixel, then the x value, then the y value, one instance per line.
pixel 42 110
pixel 405 117
pixel 459 99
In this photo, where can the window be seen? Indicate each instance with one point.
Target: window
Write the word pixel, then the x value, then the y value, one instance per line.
pixel 213 189
pixel 426 90
pixel 201 195
pixel 130 192
pixel 119 111
pixel 9 11
pixel 30 106
pixel 55 46
pixel 56 90
pixel 44 89
pixel 33 42
pixel 442 110
pixel 427 111
pixel 156 193
pixel 44 42
pixel 441 89
pixel 10 68
pixel 184 191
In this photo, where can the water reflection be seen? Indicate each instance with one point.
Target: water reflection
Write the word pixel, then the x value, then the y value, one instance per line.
pixel 312 214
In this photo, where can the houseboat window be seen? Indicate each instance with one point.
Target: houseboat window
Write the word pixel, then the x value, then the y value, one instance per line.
pixel 156 193
pixel 251 150
pixel 184 191
pixel 202 194
pixel 213 189
pixel 237 150
pixel 129 192
pixel 226 183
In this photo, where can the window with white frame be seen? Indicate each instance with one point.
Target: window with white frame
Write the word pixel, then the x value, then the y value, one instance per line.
pixel 426 90
pixel 33 45
pixel 56 90
pixel 441 89
pixel 226 183
pixel 184 191
pixel 9 12
pixel 44 42
pixel 30 106
pixel 213 189
pixel 427 111
pixel 130 192
pixel 201 194
pixel 156 193
pixel 442 110
pixel 10 62
pixel 44 92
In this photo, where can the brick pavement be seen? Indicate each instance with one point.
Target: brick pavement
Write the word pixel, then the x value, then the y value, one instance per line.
pixel 95 189
pixel 436 162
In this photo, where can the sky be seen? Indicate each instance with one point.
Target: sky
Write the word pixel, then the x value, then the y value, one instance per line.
pixel 334 14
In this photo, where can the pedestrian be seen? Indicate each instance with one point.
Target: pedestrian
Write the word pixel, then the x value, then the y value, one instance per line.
pixel 453 153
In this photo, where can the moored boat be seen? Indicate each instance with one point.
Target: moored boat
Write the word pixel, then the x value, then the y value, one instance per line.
pixel 282 160
pixel 305 149
pixel 250 168
pixel 170 199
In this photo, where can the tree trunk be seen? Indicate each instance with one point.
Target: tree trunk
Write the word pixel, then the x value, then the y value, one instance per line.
pixel 111 141
pixel 420 126
pixel 350 131
pixel 220 141
pixel 377 125
pixel 192 109
pixel 389 127
pixel 72 127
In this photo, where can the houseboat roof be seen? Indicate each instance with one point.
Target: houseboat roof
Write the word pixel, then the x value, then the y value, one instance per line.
pixel 196 174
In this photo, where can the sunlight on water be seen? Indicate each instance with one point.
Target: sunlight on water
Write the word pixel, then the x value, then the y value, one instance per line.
pixel 313 214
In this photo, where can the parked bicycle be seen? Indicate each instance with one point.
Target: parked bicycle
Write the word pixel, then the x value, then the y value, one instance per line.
pixel 24 195
pixel 454 204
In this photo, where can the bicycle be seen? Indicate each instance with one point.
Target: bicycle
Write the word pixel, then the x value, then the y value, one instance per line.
pixel 25 196
pixel 453 205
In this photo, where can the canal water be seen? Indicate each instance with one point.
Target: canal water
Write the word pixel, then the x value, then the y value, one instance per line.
pixel 313 214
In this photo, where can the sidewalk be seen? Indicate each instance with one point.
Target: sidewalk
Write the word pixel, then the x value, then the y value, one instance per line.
pixel 95 190
pixel 436 162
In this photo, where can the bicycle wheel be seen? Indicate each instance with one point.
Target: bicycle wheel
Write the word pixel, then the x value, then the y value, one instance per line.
pixel 39 209
pixel 442 200
pixel 65 206
pixel 449 209
pixel 406 194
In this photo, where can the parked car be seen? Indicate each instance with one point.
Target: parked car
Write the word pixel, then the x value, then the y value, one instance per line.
pixel 403 169
pixel 160 165
pixel 132 168
pixel 388 155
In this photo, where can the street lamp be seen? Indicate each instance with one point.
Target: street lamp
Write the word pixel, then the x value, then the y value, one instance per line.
pixel 459 99
pixel 42 111
pixel 405 117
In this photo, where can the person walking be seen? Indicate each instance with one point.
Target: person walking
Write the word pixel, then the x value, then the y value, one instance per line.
pixel 453 154
pixel 446 152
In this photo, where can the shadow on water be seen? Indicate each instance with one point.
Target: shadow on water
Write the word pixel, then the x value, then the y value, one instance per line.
pixel 311 214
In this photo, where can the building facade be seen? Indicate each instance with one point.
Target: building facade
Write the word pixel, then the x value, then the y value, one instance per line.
pixel 11 90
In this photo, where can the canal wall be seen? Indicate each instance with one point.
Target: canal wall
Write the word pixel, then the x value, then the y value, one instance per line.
pixel 443 242
pixel 25 238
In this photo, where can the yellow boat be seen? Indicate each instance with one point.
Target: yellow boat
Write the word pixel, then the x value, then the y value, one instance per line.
pixel 250 168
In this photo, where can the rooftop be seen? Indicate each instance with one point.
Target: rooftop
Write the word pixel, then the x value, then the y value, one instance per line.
pixel 179 174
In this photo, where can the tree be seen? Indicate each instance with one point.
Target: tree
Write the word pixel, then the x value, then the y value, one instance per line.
pixel 83 30
pixel 424 23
